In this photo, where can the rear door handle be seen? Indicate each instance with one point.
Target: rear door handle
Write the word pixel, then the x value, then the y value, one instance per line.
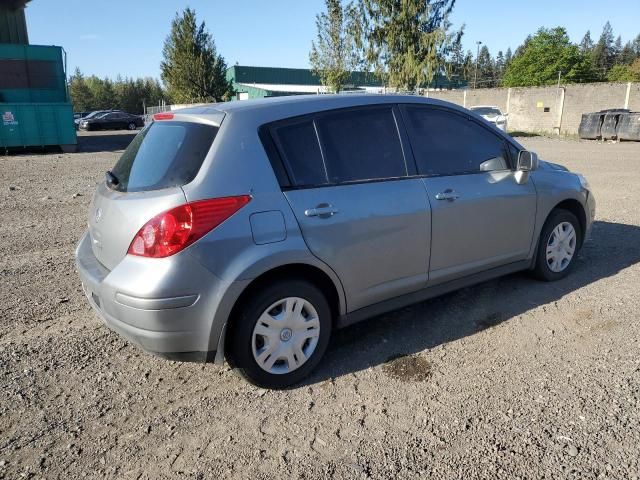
pixel 324 210
pixel 448 194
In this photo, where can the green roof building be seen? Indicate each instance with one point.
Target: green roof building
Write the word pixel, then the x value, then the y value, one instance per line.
pixel 257 82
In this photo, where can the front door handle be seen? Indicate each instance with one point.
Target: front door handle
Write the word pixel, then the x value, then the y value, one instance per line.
pixel 324 210
pixel 448 194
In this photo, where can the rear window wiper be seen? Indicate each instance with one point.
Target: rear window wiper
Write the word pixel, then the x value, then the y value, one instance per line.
pixel 112 180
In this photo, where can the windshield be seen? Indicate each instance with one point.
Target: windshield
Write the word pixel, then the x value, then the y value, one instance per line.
pixel 486 111
pixel 164 154
pixel 94 114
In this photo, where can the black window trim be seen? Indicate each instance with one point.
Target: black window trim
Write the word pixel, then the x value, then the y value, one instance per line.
pixel 512 162
pixel 266 133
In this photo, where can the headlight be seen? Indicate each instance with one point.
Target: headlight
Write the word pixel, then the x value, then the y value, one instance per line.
pixel 583 182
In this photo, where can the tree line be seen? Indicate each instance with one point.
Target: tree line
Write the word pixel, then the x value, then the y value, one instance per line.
pixel 127 94
pixel 407 44
pixel 410 43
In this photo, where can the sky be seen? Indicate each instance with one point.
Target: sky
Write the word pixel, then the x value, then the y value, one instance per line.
pixel 114 37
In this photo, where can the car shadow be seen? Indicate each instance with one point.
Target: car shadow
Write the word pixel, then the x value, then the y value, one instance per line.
pixel 104 141
pixel 612 248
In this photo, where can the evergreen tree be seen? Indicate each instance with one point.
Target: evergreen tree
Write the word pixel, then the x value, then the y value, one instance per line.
pixel 334 53
pixel 102 92
pixel 499 67
pixel 508 57
pixel 192 69
pixel 80 93
pixel 627 54
pixel 468 68
pixel 636 45
pixel 485 69
pixel 602 54
pixel 404 39
pixel 454 66
pixel 617 50
pixel 586 45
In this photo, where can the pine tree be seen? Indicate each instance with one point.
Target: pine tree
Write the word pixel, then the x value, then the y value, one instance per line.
pixel 468 67
pixel 636 45
pixel 586 45
pixel 81 96
pixel 192 69
pixel 486 77
pixel 499 67
pixel 508 57
pixel 602 54
pixel 454 65
pixel 627 54
pixel 404 40
pixel 334 53
pixel 617 49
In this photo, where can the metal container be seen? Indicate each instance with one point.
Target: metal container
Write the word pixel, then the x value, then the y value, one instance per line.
pixel 37 125
pixel 34 104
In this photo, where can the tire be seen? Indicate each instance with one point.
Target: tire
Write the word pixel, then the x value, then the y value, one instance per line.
pixel 250 339
pixel 546 268
pixel 131 126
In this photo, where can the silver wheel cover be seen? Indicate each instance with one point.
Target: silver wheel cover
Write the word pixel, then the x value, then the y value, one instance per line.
pixel 286 335
pixel 561 247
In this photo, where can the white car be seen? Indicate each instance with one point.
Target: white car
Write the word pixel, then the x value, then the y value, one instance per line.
pixel 492 115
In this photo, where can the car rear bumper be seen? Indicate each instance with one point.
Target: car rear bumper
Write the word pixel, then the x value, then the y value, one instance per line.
pixel 166 306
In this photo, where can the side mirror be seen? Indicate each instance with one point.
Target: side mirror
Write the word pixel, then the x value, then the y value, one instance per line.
pixel 527 161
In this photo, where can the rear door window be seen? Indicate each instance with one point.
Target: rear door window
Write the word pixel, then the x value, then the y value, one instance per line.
pixel 298 144
pixel 448 143
pixel 163 155
pixel 361 144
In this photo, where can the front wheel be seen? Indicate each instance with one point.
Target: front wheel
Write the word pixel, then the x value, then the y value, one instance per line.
pixel 560 240
pixel 281 334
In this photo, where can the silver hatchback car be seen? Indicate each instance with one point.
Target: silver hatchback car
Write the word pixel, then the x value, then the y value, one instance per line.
pixel 250 230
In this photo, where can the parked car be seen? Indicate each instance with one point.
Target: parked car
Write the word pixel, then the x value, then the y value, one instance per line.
pixel 79 115
pixel 252 238
pixel 89 115
pixel 492 115
pixel 113 120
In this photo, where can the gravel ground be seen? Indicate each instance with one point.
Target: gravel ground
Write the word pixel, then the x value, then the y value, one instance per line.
pixel 511 378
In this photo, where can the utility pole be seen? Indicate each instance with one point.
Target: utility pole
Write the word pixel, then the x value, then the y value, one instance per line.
pixel 475 77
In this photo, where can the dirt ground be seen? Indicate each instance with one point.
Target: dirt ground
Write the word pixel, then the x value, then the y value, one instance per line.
pixel 511 378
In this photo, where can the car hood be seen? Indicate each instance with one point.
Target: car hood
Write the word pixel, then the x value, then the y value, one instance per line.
pixel 544 165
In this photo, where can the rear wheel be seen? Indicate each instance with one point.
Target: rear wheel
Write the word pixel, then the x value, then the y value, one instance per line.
pixel 560 240
pixel 281 334
pixel 131 126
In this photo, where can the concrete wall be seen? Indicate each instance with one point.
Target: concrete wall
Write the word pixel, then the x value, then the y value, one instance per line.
pixel 549 109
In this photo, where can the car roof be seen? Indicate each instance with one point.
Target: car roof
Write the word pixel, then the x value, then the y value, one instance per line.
pixel 310 103
pixel 484 106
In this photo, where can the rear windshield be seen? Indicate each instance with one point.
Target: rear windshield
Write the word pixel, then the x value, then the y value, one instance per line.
pixel 163 155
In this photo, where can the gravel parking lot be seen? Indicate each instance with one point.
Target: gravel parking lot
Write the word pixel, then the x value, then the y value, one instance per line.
pixel 511 378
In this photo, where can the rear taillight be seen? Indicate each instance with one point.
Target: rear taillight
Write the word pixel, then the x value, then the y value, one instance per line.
pixel 176 229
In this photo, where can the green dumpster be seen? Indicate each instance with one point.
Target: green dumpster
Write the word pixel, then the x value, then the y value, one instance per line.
pixel 34 104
